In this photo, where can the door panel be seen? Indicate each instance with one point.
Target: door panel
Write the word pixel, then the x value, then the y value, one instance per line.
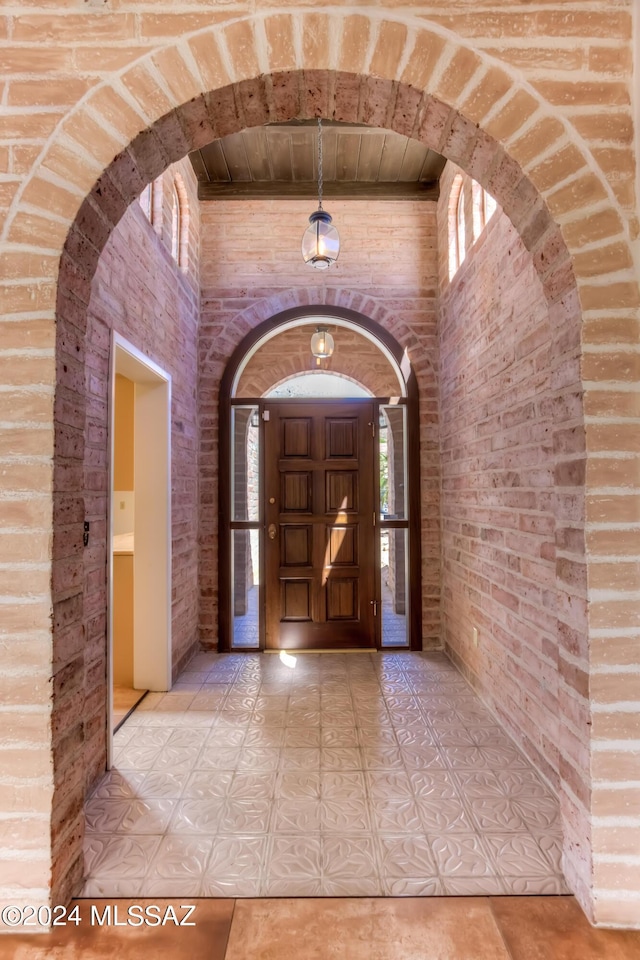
pixel 320 583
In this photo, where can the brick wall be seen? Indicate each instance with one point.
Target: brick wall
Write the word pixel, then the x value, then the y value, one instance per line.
pixel 497 482
pixel 257 243
pixel 139 291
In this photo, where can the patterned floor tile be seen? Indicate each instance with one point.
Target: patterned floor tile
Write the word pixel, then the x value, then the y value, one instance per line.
pixel 376 775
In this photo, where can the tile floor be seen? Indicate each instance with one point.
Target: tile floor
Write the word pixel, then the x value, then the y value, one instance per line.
pixel 344 775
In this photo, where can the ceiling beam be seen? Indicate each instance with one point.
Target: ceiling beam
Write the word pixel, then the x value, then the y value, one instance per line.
pixel 301 190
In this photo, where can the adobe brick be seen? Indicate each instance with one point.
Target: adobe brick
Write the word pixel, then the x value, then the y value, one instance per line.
pixel 118 112
pixel 597 226
pixel 461 68
pixel 616 59
pixel 92 59
pixel 583 93
pixel 61 91
pixel 537 140
pixel 624 192
pixel 209 59
pixel 177 74
pixel 28 126
pixel 389 48
pixel 171 25
pixel 618 163
pixel 422 62
pixel 71 28
pixel 611 125
pixel 65 162
pixel 580 193
pixel 611 366
pixel 145 89
pixel 493 86
pixel 617 765
pixel 39 59
pixel 241 45
pixel 610 472
pixel 280 45
pixel 562 23
pixel 93 136
pixel 613 508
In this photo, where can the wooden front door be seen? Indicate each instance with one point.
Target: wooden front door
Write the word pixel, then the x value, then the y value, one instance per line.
pixel 320 548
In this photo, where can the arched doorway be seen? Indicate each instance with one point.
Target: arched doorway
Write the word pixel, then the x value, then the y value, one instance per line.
pixel 460 136
pixel 319 532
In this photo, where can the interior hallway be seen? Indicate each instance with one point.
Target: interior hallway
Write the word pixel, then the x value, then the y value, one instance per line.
pixel 328 774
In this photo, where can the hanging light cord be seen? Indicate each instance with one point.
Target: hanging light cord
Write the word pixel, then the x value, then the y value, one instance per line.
pixel 319 163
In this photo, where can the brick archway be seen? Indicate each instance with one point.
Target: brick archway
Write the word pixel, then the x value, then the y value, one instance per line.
pixel 417 81
pixel 283 96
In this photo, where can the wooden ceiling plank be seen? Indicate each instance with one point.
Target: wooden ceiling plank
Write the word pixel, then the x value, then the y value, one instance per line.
pixel 432 167
pixel 369 158
pixel 393 151
pixel 412 162
pixel 329 147
pixel 257 151
pixel 236 157
pixel 279 144
pixel 199 166
pixel 303 148
pixel 214 160
pixel 347 152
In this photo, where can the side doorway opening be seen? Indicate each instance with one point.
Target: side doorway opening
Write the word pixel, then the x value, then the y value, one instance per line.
pixel 139 568
pixel 319 534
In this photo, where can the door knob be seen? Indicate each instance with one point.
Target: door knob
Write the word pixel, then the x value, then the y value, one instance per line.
pixel 272 531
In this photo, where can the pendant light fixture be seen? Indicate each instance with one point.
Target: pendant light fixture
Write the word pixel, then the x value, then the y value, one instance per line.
pixel 320 241
pixel 322 344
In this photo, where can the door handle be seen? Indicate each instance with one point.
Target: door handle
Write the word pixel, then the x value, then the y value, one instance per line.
pixel 272 531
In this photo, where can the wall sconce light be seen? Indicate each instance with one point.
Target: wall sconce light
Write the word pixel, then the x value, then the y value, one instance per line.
pixel 320 241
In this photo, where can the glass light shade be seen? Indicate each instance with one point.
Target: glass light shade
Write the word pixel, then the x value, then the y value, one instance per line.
pixel 320 241
pixel 322 344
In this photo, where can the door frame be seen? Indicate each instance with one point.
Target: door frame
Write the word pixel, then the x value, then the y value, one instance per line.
pixel 247 347
pixel 152 522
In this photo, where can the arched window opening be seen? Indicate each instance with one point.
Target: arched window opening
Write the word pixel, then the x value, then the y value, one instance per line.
pixel 478 209
pixel 489 206
pixel 461 240
pixel 146 202
pixel 175 224
pixel 456 225
pixel 319 384
pixel 179 223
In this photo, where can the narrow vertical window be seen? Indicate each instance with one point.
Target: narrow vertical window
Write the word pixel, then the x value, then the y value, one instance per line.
pixel 175 224
pixel 489 206
pixel 146 201
pixel 478 208
pixel 455 222
pixel 460 227
pixel 179 223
